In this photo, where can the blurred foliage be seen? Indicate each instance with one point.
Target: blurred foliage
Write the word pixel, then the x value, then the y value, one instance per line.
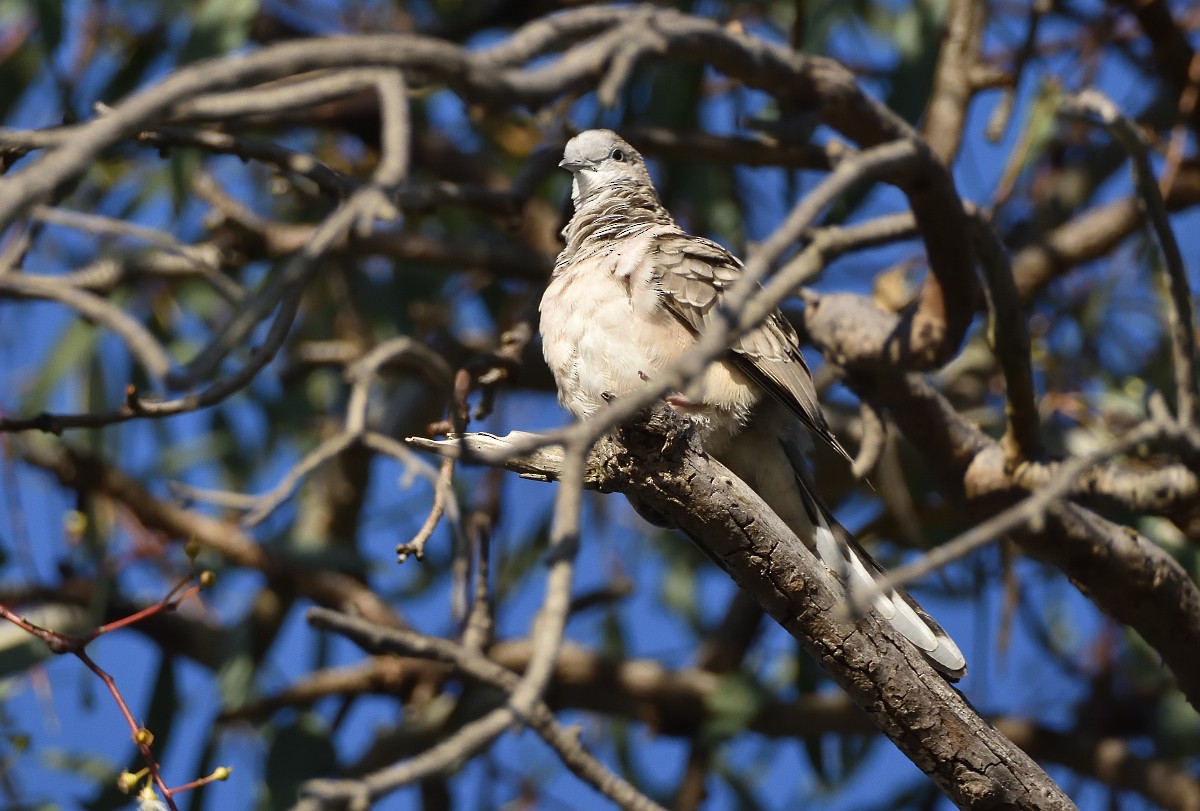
pixel 1099 348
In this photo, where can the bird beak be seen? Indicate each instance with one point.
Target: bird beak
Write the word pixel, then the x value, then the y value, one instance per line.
pixel 575 166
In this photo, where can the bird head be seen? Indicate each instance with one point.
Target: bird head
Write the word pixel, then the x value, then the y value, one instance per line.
pixel 599 159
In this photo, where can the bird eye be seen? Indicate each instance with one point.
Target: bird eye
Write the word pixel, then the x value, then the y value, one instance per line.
pixel 617 155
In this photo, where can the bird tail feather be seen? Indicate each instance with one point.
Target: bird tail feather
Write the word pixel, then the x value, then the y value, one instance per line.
pixel 859 572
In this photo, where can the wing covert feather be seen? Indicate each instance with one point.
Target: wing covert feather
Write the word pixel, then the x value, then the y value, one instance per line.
pixel 693 274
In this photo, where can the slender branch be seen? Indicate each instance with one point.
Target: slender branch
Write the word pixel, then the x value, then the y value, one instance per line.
pixel 953 87
pixel 1030 511
pixel 88 474
pixel 476 666
pixel 142 345
pixel 1183 336
pixel 364 204
pixel 1009 337
pixel 330 181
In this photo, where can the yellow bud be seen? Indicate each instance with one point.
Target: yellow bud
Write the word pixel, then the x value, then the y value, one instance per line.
pixel 208 578
pixel 75 524
pixel 143 737
pixel 192 548
pixel 222 773
pixel 127 782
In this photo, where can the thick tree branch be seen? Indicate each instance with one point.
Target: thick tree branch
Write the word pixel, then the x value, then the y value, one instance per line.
pixel 907 700
pixel 1126 575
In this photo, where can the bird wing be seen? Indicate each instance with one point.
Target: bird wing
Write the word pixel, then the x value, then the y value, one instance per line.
pixel 693 275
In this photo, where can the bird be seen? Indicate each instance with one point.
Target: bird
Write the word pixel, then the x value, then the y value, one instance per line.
pixel 631 292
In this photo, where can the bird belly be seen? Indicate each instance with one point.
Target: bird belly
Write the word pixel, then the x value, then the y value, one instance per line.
pixel 598 343
pixel 606 334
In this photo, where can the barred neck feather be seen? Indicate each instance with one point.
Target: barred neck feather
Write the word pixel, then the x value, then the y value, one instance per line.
pixel 617 212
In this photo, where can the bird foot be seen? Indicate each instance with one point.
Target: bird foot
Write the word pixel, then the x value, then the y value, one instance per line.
pixel 683 404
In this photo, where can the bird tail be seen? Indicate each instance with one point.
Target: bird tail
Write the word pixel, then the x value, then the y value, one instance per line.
pixel 859 572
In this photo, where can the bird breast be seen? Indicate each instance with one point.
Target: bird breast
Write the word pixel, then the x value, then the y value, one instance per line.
pixel 605 331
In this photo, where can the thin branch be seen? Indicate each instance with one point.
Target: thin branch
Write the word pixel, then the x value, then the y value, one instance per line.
pixel 388 174
pixel 201 260
pixel 142 345
pixel 363 205
pixel 330 181
pixel 443 497
pixel 874 440
pixel 1009 338
pixel 99 224
pixel 551 619
pixel 360 794
pixel 476 666
pixel 1030 511
pixel 88 474
pixel 1092 103
pixel 361 373
pixel 265 504
pixel 953 85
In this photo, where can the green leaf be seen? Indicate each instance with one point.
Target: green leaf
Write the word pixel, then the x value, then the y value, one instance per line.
pixel 679 588
pixel 236 677
pixel 138 54
pixel 299 752
pixel 69 357
pixel 816 757
pixel 220 27
pixel 184 165
pixel 50 22
pixel 732 706
pixel 916 32
pixel 17 72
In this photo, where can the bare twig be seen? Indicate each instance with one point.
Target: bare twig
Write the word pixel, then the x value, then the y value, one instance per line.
pixel 77 646
pixel 1092 103
pixel 362 374
pixel 99 224
pixel 443 496
pixel 1029 511
pixel 874 440
pixel 144 347
pixel 476 666
pixel 953 85
pixel 1009 338
pixel 328 180
pixel 363 205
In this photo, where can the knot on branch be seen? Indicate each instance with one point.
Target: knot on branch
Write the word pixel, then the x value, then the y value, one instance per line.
pixel 653 441
pixel 851 330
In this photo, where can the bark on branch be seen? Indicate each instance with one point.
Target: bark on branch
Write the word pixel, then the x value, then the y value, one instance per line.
pixel 931 722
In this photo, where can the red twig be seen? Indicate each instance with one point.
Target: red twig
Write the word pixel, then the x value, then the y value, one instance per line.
pixel 77 645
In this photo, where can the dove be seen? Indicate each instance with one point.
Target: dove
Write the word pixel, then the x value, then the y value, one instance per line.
pixel 629 295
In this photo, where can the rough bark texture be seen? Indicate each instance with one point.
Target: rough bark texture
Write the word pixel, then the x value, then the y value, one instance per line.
pixel 930 721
